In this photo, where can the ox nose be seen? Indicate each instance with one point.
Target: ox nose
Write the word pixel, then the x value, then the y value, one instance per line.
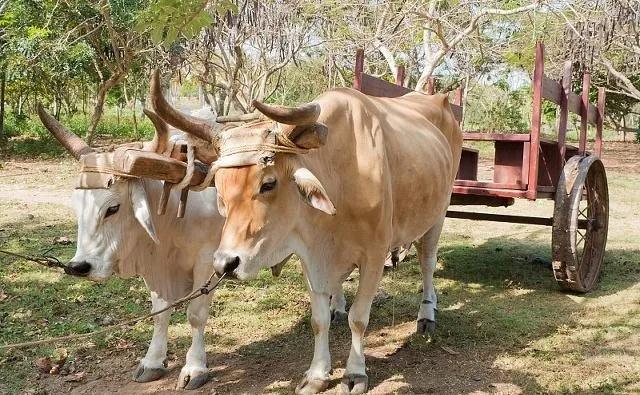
pixel 225 263
pixel 79 268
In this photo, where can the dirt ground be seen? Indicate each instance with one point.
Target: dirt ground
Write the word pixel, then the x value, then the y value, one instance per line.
pixel 504 328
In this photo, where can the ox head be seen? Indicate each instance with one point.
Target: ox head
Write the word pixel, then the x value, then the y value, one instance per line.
pixel 114 215
pixel 262 183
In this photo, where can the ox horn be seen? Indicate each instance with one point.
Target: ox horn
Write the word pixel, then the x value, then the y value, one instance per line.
pixel 74 144
pixel 161 136
pixel 303 115
pixel 198 127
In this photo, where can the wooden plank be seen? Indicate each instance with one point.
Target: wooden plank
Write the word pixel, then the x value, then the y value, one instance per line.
pixel 359 68
pixel 513 219
pixel 536 122
pixel 551 90
pixel 487 184
pixel 586 82
pixel 476 200
pixel 457 112
pixel 373 86
pixel 479 136
pixel 600 122
pixel 147 164
pixel 507 193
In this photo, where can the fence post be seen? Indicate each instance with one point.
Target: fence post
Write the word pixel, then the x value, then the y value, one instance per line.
pixel 357 79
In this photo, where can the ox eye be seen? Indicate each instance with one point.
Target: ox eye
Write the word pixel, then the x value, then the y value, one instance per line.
pixel 112 210
pixel 268 186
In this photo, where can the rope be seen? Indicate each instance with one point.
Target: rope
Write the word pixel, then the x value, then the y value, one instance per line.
pixel 44 259
pixel 204 290
pixel 105 170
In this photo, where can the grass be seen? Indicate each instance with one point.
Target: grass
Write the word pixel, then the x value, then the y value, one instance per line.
pixel 499 309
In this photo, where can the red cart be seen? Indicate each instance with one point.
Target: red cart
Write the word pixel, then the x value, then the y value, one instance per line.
pixel 529 166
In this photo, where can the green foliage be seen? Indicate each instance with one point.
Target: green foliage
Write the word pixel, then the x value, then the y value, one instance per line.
pixel 166 20
pixel 498 108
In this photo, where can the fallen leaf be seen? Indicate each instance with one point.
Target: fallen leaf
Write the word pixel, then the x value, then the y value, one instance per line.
pixel 3 296
pixel 449 350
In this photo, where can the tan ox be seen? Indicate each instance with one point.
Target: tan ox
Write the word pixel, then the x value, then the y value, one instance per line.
pixel 339 182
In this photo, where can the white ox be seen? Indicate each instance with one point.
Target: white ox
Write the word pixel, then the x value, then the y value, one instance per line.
pixel 120 232
pixel 339 182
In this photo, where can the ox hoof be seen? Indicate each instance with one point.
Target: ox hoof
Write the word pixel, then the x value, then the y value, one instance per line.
pixel 309 386
pixel 338 317
pixel 426 327
pixel 145 375
pixel 354 384
pixel 191 379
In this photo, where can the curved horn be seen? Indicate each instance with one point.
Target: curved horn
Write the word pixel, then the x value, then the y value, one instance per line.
pixel 161 136
pixel 192 125
pixel 303 115
pixel 74 144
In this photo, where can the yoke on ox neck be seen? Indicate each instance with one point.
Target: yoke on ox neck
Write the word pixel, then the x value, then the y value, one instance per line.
pixel 98 170
pixel 253 145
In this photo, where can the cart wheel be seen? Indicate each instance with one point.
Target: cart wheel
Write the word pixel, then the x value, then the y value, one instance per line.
pixel 580 223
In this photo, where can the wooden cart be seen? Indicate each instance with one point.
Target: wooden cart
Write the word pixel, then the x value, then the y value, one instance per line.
pixel 529 166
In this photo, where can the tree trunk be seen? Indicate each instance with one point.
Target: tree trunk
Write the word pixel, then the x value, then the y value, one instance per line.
pixel 98 109
pixel 3 78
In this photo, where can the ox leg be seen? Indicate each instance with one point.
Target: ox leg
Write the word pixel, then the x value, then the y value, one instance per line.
pixel 316 379
pixel 153 365
pixel 427 248
pixel 355 380
pixel 195 373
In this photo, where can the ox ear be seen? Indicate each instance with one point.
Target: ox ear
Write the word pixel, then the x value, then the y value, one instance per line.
pixel 312 191
pixel 141 209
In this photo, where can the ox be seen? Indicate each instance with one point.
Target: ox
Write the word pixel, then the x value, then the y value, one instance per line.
pixel 339 182
pixel 119 233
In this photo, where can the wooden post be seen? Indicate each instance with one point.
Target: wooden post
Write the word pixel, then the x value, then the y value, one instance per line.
pixel 586 82
pixel 600 122
pixel 164 197
pixel 400 74
pixel 182 206
pixel 564 111
pixel 536 123
pixel 357 78
pixel 457 100
pixel 431 86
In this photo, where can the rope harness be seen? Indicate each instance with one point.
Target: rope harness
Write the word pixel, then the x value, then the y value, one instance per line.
pixel 51 261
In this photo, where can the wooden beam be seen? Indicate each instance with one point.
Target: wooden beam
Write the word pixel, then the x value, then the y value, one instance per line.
pixel 584 113
pixel 564 110
pixel 600 122
pixel 536 123
pixel 357 79
pixel 400 75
